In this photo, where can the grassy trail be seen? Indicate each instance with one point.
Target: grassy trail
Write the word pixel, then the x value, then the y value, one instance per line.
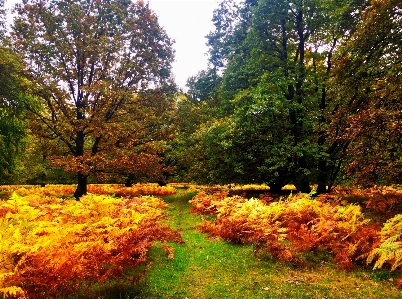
pixel 209 268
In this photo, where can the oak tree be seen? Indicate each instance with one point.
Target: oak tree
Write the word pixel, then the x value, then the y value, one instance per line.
pixel 101 70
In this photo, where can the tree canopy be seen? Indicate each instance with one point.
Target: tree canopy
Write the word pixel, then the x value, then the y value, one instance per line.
pixel 368 74
pixel 101 70
pixel 303 92
pixel 276 85
pixel 275 58
pixel 12 95
pixel 12 125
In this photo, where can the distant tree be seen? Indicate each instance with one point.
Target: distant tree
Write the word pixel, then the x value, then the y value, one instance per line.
pixel 204 86
pixel 101 70
pixel 193 109
pixel 12 97
pixel 32 166
pixel 2 19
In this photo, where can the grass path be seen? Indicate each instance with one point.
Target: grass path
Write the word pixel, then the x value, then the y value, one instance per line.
pixel 209 268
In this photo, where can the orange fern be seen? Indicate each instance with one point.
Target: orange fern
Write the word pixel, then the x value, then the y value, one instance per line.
pixel 50 247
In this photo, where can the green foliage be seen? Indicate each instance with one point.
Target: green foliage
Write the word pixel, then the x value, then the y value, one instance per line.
pixel 182 152
pixel 272 105
pixel 204 86
pixel 12 124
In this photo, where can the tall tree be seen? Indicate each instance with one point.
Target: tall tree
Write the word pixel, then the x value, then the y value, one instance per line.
pixel 276 58
pixel 368 76
pixel 12 96
pixel 12 125
pixel 102 71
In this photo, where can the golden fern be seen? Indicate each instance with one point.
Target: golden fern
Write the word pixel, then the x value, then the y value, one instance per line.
pixel 291 225
pixel 54 246
pixel 389 250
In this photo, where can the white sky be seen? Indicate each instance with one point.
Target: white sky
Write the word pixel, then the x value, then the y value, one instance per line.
pixel 187 22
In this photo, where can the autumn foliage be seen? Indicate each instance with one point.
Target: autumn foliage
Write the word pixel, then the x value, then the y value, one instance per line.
pixel 288 227
pixel 51 247
pixel 100 189
pixel 390 250
pixel 133 191
pixel 382 200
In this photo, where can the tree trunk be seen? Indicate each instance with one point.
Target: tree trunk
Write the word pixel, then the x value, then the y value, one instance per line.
pixel 80 141
pixel 302 185
pixel 302 182
pixel 129 181
pixel 322 177
pixel 276 185
pixel 322 138
pixel 321 188
pixel 81 187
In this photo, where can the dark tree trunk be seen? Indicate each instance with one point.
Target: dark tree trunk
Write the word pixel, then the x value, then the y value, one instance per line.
pixel 79 144
pixel 322 162
pixel 302 185
pixel 322 166
pixel 322 188
pixel 129 181
pixel 276 185
pixel 81 187
pixel 322 177
pixel 302 182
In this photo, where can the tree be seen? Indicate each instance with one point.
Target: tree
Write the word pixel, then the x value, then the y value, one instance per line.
pixel 204 86
pixel 101 70
pixel 12 125
pixel 2 19
pixel 13 95
pixel 276 58
pixel 367 80
pixel 32 166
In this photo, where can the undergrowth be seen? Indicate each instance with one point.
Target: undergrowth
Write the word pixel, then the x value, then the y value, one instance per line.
pixel 214 268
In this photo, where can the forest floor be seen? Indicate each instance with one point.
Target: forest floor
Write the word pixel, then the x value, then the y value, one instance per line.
pixel 212 268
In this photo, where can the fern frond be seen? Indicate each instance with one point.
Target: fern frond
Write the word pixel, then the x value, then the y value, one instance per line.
pixel 389 250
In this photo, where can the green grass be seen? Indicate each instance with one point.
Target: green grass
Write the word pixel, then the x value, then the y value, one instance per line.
pixel 212 268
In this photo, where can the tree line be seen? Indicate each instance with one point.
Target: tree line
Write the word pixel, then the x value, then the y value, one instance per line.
pixel 302 92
